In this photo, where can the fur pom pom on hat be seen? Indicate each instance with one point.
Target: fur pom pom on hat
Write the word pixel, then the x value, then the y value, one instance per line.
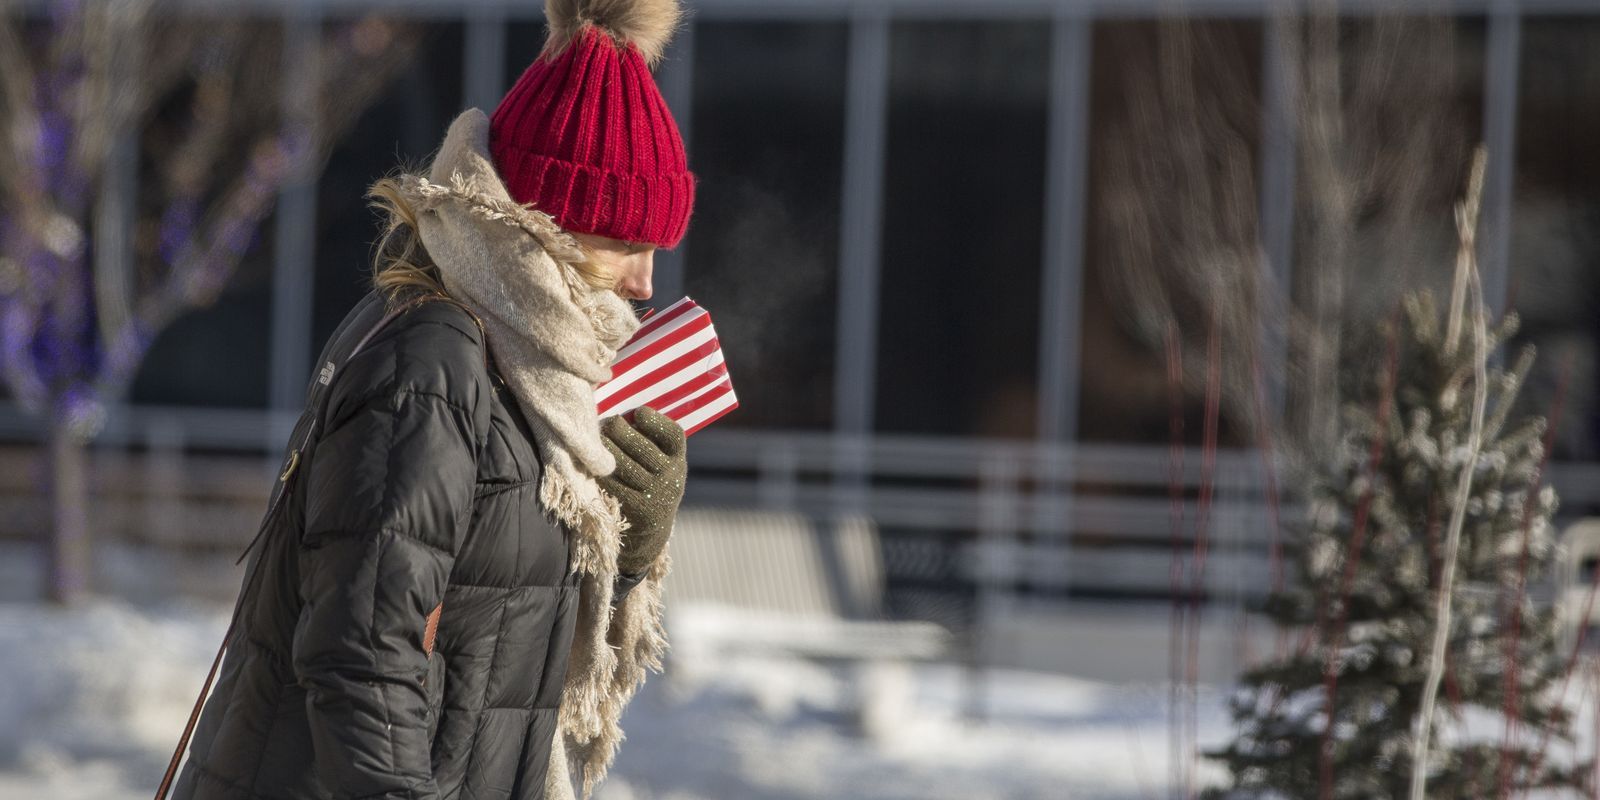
pixel 585 136
pixel 648 24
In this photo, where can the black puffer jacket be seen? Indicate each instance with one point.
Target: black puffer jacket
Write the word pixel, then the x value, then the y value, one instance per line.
pixel 421 489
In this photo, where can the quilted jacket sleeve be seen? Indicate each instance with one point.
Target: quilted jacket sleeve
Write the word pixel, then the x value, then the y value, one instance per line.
pixel 390 488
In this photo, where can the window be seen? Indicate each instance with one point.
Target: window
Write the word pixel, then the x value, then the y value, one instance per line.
pixel 762 251
pixel 403 127
pixel 218 355
pixel 1555 221
pixel 962 228
pixel 1155 211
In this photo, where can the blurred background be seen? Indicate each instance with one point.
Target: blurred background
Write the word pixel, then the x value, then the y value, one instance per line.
pixel 1031 306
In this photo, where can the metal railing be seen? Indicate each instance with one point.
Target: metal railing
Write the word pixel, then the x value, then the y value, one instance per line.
pixel 1014 517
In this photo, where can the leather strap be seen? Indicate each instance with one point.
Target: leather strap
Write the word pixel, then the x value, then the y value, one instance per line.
pixel 199 703
pixel 194 717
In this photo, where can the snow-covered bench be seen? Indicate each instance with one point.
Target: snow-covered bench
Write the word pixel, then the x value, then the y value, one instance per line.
pixel 773 583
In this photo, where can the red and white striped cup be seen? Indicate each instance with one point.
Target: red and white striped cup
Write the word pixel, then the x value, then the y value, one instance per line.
pixel 673 364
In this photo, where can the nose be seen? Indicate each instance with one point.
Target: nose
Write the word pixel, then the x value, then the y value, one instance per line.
pixel 635 283
pixel 636 287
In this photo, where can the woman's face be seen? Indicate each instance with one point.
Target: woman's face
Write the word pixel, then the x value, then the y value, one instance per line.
pixel 630 262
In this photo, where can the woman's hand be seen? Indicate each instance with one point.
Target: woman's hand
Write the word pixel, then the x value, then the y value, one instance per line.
pixel 648 482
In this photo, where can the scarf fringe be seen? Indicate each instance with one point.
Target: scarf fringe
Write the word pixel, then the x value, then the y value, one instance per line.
pixel 603 673
pixel 637 634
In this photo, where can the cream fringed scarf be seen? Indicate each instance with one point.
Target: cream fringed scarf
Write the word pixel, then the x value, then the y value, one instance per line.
pixel 554 337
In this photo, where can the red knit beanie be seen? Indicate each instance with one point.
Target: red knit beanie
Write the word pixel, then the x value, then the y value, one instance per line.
pixel 585 135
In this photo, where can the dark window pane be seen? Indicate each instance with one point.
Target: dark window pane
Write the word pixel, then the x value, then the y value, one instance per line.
pixel 762 249
pixel 524 40
pixel 403 127
pixel 1174 133
pixel 1555 219
pixel 963 192
pixel 219 355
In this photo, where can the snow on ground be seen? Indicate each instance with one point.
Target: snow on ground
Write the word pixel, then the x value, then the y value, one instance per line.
pixel 766 728
pixel 95 698
pixel 90 697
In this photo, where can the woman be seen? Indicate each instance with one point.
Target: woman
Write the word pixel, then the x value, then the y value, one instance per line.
pixel 447 606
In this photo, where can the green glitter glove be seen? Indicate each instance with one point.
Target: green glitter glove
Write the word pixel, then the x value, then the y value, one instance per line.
pixel 648 482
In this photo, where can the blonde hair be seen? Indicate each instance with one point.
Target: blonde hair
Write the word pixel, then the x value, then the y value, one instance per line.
pixel 402 268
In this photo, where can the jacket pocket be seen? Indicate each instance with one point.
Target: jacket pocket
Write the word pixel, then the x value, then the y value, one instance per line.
pixel 433 683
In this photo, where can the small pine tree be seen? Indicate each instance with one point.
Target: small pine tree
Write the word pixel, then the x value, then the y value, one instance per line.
pixel 1367 572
